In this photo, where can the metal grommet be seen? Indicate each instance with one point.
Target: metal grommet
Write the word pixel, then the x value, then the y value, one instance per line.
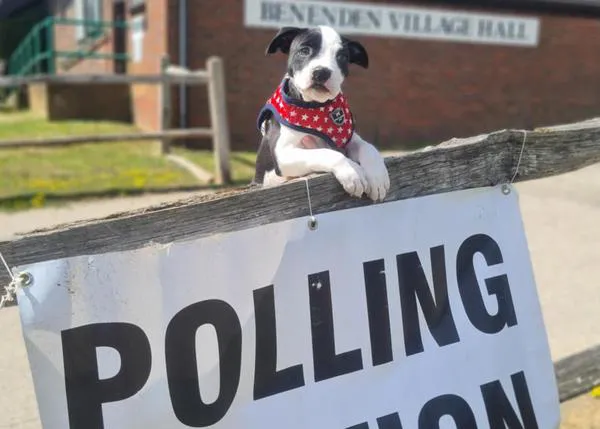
pixel 506 189
pixel 25 279
pixel 312 223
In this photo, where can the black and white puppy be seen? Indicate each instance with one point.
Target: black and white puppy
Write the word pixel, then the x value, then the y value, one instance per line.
pixel 307 125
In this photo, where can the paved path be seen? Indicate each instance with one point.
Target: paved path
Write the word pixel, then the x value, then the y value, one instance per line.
pixel 562 222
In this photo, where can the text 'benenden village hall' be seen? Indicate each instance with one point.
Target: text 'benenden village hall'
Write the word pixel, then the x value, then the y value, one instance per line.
pixel 437 69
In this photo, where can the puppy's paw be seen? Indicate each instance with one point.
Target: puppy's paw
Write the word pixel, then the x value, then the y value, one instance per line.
pixel 351 176
pixel 377 176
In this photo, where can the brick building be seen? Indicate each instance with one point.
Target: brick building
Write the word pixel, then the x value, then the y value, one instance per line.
pixel 438 69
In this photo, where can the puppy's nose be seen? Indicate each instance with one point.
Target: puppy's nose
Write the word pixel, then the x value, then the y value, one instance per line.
pixel 321 74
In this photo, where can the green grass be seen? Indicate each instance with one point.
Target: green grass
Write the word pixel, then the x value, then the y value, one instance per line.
pixel 34 177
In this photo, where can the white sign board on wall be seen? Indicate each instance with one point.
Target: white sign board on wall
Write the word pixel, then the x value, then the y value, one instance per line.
pixel 417 314
pixel 394 21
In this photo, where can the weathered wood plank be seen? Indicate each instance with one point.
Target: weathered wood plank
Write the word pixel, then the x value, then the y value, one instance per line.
pixel 483 161
pixel 174 77
pixel 218 118
pixel 578 374
pixel 107 138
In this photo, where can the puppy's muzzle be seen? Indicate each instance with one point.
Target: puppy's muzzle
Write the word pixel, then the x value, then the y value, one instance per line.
pixel 320 75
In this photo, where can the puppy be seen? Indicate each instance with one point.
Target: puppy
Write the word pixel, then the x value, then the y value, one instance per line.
pixel 307 125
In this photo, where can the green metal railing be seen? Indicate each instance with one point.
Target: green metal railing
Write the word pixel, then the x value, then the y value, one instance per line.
pixel 37 54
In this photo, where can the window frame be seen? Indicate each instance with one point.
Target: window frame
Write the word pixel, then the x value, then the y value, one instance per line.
pixel 89 32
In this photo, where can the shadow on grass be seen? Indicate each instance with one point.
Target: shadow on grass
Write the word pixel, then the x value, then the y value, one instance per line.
pixel 41 200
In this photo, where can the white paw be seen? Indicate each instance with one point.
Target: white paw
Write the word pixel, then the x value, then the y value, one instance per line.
pixel 377 176
pixel 352 177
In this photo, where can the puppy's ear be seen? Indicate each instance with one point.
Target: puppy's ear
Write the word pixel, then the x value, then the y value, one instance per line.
pixel 283 40
pixel 357 53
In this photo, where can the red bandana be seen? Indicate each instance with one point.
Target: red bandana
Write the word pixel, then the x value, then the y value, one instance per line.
pixel 332 121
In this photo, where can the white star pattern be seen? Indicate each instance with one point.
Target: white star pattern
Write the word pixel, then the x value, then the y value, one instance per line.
pixel 318 119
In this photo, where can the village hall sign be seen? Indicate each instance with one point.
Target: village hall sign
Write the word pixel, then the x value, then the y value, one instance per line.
pixel 395 21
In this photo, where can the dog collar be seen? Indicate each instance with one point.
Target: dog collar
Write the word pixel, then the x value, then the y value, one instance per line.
pixel 332 121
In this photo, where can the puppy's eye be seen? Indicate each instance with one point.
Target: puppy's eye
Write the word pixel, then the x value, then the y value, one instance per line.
pixel 305 51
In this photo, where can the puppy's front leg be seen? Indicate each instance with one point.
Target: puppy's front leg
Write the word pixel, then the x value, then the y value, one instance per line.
pixel 373 165
pixel 297 162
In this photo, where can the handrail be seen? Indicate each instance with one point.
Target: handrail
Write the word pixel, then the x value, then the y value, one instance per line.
pixel 32 53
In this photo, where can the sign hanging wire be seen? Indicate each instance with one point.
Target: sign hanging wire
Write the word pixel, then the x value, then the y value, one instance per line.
pixel 506 186
pixel 312 221
pixel 16 283
pixel 12 278
pixel 520 157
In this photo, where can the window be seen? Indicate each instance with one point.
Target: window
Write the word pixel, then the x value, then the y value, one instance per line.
pixel 136 6
pixel 90 12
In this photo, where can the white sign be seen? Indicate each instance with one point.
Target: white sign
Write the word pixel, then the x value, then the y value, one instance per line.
pixel 394 21
pixel 418 314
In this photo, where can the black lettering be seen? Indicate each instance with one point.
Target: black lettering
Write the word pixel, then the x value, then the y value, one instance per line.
pixel 329 15
pixel 521 32
pixel 394 20
pixel 271 11
pixel 486 28
pixel 463 27
pixel 428 25
pixel 85 391
pixel 391 421
pixel 501 29
pixel 416 21
pixel 470 291
pixel 447 405
pixel 267 380
pixel 511 30
pixel 297 12
pixel 447 25
pixel 500 412
pixel 375 18
pixel 181 361
pixel 349 18
pixel 378 312
pixel 413 285
pixel 326 363
pixel 319 16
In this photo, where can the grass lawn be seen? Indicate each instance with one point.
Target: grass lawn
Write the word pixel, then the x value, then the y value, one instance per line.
pixel 34 177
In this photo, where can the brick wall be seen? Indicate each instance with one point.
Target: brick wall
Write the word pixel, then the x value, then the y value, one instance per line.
pixel 145 98
pixel 414 91
pixel 65 39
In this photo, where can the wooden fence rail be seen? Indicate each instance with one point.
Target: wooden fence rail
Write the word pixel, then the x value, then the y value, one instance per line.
pixel 106 138
pixel 485 160
pixel 213 77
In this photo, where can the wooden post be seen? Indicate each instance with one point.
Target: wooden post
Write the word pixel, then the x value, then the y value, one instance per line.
pixel 218 118
pixel 165 105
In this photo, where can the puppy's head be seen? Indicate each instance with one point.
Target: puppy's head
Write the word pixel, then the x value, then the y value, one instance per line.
pixel 318 59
